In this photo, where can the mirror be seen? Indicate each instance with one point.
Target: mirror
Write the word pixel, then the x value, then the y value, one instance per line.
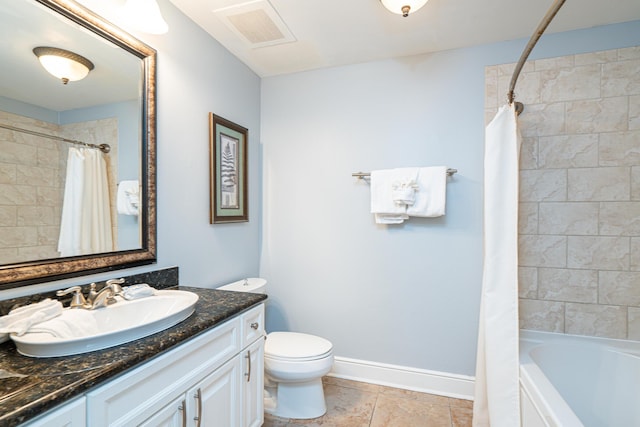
pixel 43 120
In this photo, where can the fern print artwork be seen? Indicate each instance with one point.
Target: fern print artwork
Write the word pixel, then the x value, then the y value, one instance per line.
pixel 229 172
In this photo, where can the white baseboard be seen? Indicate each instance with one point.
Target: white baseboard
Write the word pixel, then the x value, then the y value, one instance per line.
pixel 440 383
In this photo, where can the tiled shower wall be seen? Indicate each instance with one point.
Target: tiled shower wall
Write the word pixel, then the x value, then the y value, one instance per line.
pixel 32 174
pixel 579 218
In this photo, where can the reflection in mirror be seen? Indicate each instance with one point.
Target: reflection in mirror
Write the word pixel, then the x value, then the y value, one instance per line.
pixel 68 207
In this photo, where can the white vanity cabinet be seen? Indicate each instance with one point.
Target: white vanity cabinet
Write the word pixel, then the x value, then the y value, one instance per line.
pixel 212 380
pixel 71 414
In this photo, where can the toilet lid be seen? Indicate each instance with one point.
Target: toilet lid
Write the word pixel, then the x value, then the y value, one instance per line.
pixel 294 345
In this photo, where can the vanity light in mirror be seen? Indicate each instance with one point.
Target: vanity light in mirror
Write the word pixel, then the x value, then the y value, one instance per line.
pixel 403 7
pixel 145 16
pixel 63 64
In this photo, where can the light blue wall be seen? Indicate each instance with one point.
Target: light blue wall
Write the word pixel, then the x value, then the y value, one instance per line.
pixel 409 294
pixel 195 76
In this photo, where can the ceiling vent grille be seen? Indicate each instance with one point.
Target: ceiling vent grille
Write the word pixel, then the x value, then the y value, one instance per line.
pixel 257 23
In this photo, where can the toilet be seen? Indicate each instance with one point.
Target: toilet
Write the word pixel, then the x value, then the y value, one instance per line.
pixel 294 364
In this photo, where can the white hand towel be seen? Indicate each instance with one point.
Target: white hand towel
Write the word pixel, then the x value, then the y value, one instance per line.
pixel 404 193
pixel 431 194
pixel 73 323
pixel 386 210
pixel 137 291
pixel 128 197
pixel 19 320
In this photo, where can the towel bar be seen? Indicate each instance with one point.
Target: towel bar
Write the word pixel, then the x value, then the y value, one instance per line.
pixel 362 175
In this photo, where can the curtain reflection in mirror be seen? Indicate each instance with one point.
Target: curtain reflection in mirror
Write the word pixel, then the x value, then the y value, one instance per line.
pixel 86 218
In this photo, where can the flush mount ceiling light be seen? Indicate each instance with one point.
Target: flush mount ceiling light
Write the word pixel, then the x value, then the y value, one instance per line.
pixel 144 15
pixel 403 7
pixel 65 65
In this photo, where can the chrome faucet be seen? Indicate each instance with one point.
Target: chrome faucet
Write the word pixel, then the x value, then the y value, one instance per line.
pixel 106 295
pixel 95 299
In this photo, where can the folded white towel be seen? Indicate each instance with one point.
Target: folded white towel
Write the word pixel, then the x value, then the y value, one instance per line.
pixel 137 291
pixel 386 210
pixel 19 320
pixel 431 195
pixel 128 197
pixel 404 193
pixel 72 323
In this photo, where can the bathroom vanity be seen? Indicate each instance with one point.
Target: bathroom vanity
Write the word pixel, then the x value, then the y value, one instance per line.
pixel 207 370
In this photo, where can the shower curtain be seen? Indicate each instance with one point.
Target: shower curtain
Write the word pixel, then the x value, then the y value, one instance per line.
pixel 86 214
pixel 497 398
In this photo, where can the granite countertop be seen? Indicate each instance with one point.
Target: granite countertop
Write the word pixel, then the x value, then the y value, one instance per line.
pixel 31 386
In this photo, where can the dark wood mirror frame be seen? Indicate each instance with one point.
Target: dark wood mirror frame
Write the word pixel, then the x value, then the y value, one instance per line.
pixel 14 275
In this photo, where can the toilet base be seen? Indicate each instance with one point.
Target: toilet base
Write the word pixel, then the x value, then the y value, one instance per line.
pixel 300 400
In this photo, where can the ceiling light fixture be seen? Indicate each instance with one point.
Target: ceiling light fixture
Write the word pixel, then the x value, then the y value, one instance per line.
pixel 63 64
pixel 144 15
pixel 403 7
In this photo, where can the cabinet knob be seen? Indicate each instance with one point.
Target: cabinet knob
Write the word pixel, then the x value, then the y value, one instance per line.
pixel 255 325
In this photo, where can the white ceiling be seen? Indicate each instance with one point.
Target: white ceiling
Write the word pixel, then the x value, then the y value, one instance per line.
pixel 339 32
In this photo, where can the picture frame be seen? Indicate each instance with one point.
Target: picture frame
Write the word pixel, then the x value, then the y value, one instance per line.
pixel 228 144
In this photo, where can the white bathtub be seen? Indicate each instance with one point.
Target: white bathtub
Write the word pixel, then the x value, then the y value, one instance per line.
pixel 575 381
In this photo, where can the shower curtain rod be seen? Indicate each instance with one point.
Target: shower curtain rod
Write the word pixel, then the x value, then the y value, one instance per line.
pixel 551 13
pixel 105 148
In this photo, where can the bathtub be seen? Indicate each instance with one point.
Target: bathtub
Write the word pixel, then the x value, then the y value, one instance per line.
pixel 576 381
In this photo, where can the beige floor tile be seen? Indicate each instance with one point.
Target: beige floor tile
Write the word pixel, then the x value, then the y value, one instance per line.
pixel 359 404
pixel 373 388
pixel 414 395
pixel 461 417
pixel 460 403
pixel 398 412
pixel 346 407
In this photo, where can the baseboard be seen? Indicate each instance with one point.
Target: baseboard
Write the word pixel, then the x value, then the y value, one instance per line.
pixel 440 383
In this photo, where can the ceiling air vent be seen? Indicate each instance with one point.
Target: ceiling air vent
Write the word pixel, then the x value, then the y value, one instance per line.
pixel 257 23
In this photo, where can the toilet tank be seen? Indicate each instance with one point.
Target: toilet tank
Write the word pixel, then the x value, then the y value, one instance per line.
pixel 256 285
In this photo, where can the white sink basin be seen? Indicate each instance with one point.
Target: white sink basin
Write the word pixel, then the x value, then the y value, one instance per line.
pixel 109 326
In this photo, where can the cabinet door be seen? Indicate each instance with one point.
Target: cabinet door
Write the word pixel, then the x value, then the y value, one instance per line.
pixel 253 385
pixel 216 401
pixel 69 415
pixel 172 415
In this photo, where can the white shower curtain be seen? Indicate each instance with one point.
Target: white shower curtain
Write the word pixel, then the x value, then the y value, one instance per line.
pixel 497 398
pixel 86 215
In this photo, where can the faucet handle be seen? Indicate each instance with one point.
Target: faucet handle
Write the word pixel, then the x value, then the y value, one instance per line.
pixel 77 299
pixel 115 284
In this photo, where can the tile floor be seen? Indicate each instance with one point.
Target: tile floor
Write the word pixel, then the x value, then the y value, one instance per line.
pixel 358 404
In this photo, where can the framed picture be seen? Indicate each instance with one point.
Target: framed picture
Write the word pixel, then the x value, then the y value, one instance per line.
pixel 228 170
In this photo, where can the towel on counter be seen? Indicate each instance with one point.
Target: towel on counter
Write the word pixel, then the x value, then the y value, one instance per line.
pixel 128 197
pixel 431 194
pixel 21 319
pixel 73 323
pixel 140 290
pixel 387 186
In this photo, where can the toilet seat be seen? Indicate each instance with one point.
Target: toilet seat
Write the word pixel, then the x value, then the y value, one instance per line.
pixel 296 347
